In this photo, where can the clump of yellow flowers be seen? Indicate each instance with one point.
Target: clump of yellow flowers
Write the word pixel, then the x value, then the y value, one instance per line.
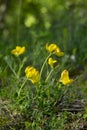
pixel 53 48
pixel 35 76
pixel 18 50
pixel 32 74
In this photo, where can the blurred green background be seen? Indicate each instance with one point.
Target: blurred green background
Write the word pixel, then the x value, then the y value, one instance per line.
pixel 33 23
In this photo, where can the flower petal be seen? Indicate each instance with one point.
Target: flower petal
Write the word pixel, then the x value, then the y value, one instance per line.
pixel 65 78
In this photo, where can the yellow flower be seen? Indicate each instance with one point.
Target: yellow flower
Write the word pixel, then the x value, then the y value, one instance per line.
pixel 18 50
pixel 51 47
pixel 59 52
pixel 51 61
pixel 32 74
pixel 54 48
pixel 65 78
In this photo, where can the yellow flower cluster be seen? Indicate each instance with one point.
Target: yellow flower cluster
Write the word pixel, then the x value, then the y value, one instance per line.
pixel 18 50
pixel 65 78
pixel 53 48
pixel 32 74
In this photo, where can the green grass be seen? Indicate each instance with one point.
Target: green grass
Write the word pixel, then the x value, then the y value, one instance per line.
pixel 48 105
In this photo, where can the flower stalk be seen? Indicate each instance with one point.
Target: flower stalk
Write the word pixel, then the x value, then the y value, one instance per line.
pixel 22 87
pixel 42 68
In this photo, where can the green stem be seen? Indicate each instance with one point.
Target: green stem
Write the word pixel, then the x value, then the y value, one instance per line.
pixel 21 64
pixel 21 87
pixel 53 69
pixel 44 64
pixel 49 75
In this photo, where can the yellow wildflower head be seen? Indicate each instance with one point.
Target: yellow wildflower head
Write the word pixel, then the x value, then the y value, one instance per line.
pixel 51 48
pixel 32 74
pixel 18 50
pixel 51 61
pixel 59 52
pixel 65 78
pixel 55 49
